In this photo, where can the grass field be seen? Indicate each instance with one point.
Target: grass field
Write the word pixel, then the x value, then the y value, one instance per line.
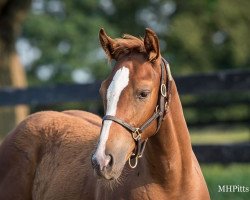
pixel 217 135
pixel 235 174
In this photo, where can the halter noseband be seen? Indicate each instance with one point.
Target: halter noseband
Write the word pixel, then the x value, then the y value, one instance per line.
pixel 161 109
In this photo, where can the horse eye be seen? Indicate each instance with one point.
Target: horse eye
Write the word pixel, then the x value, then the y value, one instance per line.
pixel 143 94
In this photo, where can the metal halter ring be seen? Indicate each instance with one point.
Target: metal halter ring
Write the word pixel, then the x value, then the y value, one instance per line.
pixel 136 134
pixel 163 90
pixel 135 164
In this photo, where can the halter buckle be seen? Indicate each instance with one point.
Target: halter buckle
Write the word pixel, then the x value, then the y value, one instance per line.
pixel 136 134
pixel 163 90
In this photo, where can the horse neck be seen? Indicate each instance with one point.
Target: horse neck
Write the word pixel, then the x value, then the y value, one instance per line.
pixel 171 148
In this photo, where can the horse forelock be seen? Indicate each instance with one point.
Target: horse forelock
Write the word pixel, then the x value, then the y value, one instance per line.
pixel 128 44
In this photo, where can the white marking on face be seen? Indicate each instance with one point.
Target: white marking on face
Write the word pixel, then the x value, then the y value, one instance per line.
pixel 119 82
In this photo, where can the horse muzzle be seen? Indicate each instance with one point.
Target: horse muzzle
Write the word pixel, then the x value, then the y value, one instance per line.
pixel 103 166
pixel 108 166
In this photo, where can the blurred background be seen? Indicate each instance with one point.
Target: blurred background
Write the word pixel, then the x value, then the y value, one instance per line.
pixel 55 42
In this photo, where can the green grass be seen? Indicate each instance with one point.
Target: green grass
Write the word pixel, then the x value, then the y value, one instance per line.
pixel 215 174
pixel 235 174
pixel 218 135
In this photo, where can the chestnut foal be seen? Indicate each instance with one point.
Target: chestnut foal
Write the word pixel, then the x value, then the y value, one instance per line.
pixel 142 107
pixel 144 149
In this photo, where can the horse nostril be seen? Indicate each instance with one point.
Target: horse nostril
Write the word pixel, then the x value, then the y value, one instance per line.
pixel 110 160
pixel 102 162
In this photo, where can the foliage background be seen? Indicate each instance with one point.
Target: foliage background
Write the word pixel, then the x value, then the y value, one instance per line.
pixel 196 36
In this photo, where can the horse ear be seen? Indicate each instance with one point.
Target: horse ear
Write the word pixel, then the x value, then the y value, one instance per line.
pixel 151 44
pixel 107 43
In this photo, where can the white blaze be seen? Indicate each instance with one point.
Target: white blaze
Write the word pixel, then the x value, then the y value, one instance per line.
pixel 119 82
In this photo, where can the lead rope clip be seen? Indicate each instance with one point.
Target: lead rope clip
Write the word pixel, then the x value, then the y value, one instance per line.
pixel 135 164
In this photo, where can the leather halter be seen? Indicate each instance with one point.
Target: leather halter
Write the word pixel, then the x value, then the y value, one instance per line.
pixel 161 109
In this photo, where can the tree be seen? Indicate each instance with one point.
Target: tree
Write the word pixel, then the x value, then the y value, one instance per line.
pixel 66 34
pixel 12 13
pixel 195 35
pixel 210 35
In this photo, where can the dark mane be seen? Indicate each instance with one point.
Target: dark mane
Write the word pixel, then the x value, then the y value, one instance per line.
pixel 127 44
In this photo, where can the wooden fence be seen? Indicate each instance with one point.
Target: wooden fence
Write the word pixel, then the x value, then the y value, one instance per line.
pixel 234 82
pixel 200 84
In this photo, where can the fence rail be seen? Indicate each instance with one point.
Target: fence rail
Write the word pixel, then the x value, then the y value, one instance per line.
pixel 227 81
pixel 233 81
pixel 223 153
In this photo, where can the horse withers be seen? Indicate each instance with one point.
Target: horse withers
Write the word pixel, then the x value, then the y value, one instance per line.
pixel 143 146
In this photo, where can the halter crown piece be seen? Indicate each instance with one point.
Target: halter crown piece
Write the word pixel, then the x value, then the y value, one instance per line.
pixel 161 109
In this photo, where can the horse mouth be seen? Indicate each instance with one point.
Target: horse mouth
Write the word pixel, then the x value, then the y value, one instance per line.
pixel 106 174
pixel 102 175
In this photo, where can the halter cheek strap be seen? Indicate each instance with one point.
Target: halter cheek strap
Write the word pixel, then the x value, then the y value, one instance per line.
pixel 161 109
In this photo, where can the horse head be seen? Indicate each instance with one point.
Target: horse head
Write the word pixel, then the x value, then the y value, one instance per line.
pixel 130 97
